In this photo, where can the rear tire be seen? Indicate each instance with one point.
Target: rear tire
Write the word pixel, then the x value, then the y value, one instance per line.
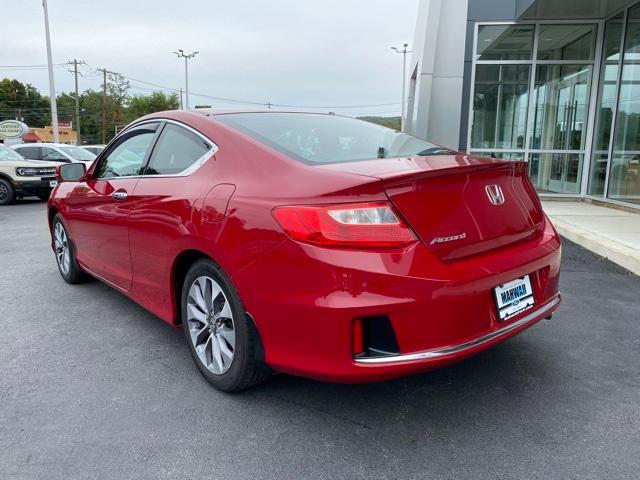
pixel 7 193
pixel 68 267
pixel 218 331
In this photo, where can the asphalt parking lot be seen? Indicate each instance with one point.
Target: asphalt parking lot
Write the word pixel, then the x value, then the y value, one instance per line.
pixel 93 386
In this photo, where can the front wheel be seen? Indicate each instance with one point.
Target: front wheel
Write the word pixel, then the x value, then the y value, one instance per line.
pixel 7 193
pixel 65 256
pixel 218 331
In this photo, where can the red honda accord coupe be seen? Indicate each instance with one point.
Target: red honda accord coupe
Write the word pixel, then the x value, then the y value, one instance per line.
pixel 311 244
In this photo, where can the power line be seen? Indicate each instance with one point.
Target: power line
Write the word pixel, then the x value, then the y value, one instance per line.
pixel 164 87
pixel 336 106
pixel 96 73
pixel 32 66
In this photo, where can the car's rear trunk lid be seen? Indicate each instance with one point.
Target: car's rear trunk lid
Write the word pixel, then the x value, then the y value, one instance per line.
pixel 457 204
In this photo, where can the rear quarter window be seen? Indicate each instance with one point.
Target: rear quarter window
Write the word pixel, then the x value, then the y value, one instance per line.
pixel 176 151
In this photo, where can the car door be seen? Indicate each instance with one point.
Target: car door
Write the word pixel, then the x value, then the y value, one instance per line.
pixel 163 216
pixel 98 208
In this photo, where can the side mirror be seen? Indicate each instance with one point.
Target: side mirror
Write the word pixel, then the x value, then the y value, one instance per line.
pixel 70 172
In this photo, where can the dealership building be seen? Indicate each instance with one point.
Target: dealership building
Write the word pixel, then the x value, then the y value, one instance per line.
pixel 552 82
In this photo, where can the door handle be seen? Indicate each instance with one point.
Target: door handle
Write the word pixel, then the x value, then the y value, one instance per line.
pixel 120 195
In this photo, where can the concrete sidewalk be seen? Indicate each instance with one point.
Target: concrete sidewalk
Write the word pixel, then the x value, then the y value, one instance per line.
pixel 608 232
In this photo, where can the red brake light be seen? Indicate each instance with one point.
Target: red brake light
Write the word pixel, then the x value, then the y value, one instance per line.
pixel 358 225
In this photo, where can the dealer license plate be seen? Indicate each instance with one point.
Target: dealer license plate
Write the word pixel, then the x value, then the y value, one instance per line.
pixel 514 297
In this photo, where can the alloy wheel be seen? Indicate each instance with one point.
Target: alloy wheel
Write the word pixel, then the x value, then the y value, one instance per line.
pixel 210 324
pixel 61 244
pixel 4 192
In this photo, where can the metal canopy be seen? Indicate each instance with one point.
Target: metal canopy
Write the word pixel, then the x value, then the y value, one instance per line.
pixel 568 9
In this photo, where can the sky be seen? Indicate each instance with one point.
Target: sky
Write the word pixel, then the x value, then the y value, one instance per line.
pixel 325 53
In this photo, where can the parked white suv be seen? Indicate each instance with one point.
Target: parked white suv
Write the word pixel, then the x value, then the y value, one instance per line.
pixel 24 178
pixel 54 152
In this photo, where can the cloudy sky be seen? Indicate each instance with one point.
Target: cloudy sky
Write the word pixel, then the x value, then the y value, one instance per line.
pixel 294 52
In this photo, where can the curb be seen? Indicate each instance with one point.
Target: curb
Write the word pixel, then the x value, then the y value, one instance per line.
pixel 619 254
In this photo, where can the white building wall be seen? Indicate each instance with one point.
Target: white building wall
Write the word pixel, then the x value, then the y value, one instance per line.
pixel 436 72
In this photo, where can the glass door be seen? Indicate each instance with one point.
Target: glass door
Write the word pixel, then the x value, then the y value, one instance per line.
pixel 559 127
pixel 570 119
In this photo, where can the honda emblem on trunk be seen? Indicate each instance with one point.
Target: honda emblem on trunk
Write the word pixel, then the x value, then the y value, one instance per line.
pixel 494 192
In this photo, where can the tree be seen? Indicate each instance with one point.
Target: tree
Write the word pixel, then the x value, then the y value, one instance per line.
pixel 91 116
pixel 66 107
pixel 140 105
pixel 390 122
pixel 24 101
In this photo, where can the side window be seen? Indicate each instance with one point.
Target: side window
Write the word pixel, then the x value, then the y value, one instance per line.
pixel 53 155
pixel 30 153
pixel 127 157
pixel 177 149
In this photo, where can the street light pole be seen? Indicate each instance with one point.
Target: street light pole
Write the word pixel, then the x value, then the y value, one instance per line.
pixel 187 56
pixel 52 87
pixel 404 52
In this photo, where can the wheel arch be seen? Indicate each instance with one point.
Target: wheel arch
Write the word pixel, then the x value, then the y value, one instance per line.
pixel 181 266
pixel 51 214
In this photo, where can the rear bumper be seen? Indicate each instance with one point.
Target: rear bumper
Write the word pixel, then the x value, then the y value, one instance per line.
pixel 305 299
pixel 469 346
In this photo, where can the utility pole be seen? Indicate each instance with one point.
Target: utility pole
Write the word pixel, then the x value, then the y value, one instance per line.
pixel 404 52
pixel 187 56
pixel 181 107
pixel 75 74
pixel 52 87
pixel 104 105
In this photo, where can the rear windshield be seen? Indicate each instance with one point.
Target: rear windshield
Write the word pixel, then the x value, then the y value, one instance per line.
pixel 319 139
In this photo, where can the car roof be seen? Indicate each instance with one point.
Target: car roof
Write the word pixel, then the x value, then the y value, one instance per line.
pixel 44 144
pixel 211 113
pixel 223 111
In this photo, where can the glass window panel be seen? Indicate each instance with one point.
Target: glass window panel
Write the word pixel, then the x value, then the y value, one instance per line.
pixel 606 104
pixel 500 106
pixel 556 172
pixel 127 158
pixel 561 100
pixel 504 42
pixel 177 149
pixel 516 156
pixel 566 42
pixel 624 173
pixel 598 173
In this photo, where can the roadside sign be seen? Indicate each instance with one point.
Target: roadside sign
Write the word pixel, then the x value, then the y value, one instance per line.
pixel 13 129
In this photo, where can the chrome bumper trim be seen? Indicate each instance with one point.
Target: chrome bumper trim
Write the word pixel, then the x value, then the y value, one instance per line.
pixel 430 354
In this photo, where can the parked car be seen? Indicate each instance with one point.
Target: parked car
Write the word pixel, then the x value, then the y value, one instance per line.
pixel 315 245
pixel 95 149
pixel 54 152
pixel 24 178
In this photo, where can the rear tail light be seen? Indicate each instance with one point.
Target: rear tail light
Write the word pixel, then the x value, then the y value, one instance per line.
pixel 362 225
